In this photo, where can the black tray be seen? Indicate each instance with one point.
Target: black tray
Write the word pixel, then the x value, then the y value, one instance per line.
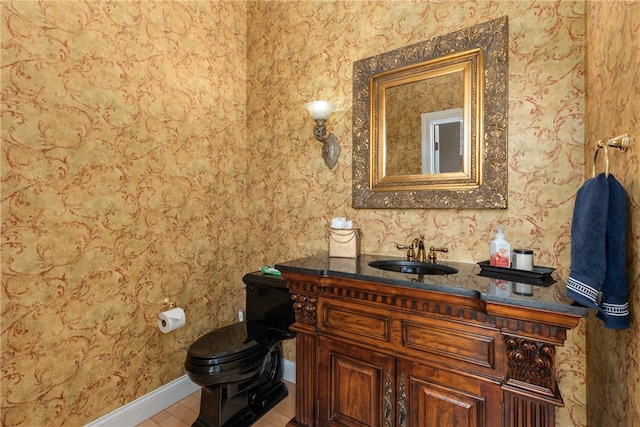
pixel 538 276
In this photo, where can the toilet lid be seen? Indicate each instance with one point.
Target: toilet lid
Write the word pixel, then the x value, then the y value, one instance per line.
pixel 238 341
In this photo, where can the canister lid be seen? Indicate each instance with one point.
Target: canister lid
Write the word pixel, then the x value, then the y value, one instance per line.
pixel 523 251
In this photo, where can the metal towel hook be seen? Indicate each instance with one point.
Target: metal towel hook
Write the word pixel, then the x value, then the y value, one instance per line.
pixel 601 144
pixel 621 142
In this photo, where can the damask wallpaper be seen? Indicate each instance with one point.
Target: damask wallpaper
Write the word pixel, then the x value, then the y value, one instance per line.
pixel 613 107
pixel 162 149
pixel 123 179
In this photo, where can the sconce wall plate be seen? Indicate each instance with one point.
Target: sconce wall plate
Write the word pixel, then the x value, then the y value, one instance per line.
pixel 330 151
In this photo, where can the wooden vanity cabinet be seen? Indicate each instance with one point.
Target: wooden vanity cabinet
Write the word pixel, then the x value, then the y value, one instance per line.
pixel 360 387
pixel 371 354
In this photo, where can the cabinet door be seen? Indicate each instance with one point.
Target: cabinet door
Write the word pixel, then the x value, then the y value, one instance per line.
pixel 433 397
pixel 355 386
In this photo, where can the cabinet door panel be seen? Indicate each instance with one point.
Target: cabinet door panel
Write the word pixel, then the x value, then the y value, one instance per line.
pixel 432 397
pixel 441 406
pixel 355 386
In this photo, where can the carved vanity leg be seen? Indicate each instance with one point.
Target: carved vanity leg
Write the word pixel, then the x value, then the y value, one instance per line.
pixel 304 307
pixel 531 394
pixel 524 411
pixel 306 363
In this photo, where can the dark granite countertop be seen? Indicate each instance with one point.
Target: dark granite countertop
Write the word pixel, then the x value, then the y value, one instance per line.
pixel 549 295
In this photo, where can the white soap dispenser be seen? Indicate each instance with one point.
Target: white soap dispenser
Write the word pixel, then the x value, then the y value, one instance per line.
pixel 500 250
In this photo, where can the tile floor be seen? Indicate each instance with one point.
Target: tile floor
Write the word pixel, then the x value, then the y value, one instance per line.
pixel 185 412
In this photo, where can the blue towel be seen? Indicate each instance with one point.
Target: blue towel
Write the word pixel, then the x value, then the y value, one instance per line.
pixel 598 277
pixel 615 289
pixel 588 243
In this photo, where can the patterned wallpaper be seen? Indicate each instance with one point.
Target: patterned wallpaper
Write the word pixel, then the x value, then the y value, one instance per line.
pixel 162 149
pixel 613 107
pixel 123 180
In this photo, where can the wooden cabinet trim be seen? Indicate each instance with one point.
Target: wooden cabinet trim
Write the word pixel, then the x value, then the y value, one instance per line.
pixel 354 322
pixel 450 343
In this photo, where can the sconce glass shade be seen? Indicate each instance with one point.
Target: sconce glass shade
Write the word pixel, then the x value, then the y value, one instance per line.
pixel 320 110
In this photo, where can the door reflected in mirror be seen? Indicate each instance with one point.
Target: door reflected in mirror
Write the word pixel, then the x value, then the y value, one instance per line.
pixel 442 141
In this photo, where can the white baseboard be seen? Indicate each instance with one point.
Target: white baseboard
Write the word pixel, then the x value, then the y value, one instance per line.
pixel 161 398
pixel 148 405
pixel 289 370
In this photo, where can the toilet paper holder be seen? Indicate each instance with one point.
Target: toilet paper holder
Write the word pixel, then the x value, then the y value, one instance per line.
pixel 170 317
pixel 167 305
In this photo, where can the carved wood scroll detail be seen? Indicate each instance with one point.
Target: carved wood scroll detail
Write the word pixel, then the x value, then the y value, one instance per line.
pixel 304 308
pixel 402 403
pixel 531 362
pixel 388 400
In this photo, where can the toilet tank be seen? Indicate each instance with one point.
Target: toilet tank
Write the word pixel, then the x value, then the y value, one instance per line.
pixel 268 301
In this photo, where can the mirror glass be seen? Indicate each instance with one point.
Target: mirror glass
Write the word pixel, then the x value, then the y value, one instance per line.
pixel 429 125
pixel 414 121
pixel 421 134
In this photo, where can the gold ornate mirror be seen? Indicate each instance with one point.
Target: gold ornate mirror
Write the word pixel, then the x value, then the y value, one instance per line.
pixel 430 123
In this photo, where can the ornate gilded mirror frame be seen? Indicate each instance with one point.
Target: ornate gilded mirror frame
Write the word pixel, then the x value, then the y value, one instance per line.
pixel 481 53
pixel 391 134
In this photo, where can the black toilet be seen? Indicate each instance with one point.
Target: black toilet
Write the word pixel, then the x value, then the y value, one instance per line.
pixel 239 367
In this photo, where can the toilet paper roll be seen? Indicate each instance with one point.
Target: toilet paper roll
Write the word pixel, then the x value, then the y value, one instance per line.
pixel 171 320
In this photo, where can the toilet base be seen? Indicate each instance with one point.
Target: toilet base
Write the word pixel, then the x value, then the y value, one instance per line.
pixel 241 405
pixel 214 416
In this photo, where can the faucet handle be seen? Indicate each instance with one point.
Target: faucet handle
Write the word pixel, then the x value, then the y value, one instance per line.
pixel 432 253
pixel 411 254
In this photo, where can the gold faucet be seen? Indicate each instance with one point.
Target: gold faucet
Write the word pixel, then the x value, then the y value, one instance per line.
pixel 411 250
pixel 421 256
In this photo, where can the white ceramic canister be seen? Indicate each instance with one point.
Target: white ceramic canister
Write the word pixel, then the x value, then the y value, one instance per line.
pixel 522 259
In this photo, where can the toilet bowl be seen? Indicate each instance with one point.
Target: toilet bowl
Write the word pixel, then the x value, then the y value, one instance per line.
pixel 239 366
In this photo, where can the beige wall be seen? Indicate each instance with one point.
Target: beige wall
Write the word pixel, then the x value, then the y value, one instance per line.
pixel 123 181
pixel 613 107
pixel 163 149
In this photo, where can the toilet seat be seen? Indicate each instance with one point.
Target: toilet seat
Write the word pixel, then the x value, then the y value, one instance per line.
pixel 229 354
pixel 229 344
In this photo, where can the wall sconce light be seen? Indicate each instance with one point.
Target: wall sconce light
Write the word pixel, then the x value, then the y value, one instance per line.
pixel 320 112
